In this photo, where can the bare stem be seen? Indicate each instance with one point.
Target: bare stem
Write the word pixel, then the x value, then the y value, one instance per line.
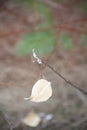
pixel 67 81
pixel 61 76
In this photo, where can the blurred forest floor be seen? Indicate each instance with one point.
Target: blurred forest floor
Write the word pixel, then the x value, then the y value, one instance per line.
pixel 18 74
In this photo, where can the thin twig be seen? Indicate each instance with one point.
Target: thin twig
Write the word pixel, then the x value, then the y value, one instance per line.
pixel 62 77
pixel 58 74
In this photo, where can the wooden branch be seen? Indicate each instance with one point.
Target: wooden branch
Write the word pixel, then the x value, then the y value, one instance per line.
pixel 40 62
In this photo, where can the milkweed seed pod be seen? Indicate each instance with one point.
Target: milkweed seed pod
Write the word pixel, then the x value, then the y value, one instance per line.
pixel 41 91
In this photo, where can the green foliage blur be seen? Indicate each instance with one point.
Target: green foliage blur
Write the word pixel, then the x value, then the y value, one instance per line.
pixel 83 6
pixel 84 40
pixel 43 42
pixel 66 41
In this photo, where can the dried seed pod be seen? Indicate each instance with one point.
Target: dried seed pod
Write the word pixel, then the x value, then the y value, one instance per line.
pixel 32 119
pixel 41 91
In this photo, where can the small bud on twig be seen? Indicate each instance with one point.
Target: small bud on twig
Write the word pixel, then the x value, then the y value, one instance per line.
pixel 39 61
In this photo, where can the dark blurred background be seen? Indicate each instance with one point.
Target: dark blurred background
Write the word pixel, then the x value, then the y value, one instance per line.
pixel 57 30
